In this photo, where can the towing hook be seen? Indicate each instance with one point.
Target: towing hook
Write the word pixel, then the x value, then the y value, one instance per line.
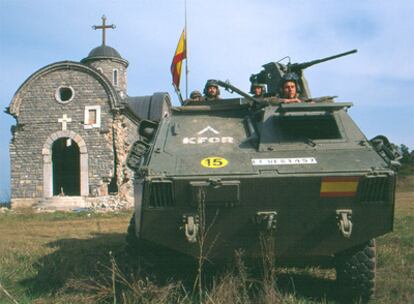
pixel 191 226
pixel 344 222
pixel 266 219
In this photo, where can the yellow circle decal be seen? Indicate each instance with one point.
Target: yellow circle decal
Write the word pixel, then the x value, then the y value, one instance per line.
pixel 214 162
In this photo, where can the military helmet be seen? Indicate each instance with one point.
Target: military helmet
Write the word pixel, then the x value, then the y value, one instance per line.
pixel 195 94
pixel 256 84
pixel 290 77
pixel 211 83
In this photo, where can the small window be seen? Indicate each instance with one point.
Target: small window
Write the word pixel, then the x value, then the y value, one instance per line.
pixel 92 117
pixel 115 80
pixel 297 128
pixel 64 94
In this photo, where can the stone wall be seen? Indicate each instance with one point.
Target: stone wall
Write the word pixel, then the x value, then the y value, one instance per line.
pixel 38 119
pixel 107 66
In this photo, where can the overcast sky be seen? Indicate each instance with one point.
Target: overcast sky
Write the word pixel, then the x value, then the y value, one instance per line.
pixel 227 39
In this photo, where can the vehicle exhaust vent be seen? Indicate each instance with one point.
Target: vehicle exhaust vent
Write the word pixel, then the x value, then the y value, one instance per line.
pixel 375 189
pixel 161 195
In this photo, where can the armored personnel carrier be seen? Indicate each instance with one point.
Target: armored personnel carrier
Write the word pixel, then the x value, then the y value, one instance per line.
pixel 221 173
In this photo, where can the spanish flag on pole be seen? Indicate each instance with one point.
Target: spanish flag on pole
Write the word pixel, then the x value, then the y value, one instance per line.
pixel 179 56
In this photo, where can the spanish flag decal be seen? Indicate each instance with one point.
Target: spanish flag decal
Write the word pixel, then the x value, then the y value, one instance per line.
pixel 339 186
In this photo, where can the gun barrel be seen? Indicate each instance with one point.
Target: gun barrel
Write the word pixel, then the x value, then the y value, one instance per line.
pixel 231 87
pixel 304 65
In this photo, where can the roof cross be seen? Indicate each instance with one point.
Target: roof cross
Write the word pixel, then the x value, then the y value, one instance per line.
pixel 103 27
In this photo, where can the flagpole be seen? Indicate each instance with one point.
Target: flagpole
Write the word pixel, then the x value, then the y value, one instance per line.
pixel 186 49
pixel 180 97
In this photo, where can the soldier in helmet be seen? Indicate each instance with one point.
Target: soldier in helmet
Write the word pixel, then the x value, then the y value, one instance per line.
pixel 196 95
pixel 211 90
pixel 258 90
pixel 289 89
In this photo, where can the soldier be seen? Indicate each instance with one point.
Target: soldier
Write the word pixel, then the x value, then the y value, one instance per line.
pixel 211 90
pixel 288 89
pixel 258 90
pixel 196 95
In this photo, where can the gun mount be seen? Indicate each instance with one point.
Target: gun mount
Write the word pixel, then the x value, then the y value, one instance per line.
pixel 274 71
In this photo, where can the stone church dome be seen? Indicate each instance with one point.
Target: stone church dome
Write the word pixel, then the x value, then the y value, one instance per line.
pixel 103 52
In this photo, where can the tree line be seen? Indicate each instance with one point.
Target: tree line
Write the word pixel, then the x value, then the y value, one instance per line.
pixel 407 160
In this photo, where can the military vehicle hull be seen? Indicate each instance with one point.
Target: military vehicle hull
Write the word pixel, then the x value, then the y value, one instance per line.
pixel 306 224
pixel 259 174
pixel 228 176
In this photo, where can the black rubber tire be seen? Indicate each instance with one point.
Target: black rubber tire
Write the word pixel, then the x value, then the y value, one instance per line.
pixel 132 242
pixel 154 107
pixel 134 246
pixel 140 251
pixel 355 272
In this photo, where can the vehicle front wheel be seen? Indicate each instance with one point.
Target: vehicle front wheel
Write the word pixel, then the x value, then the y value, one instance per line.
pixel 132 242
pixel 355 272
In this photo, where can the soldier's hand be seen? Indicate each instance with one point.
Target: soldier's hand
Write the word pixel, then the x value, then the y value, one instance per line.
pixel 291 100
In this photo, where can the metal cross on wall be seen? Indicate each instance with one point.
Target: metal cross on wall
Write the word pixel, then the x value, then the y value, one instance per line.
pixel 103 27
pixel 64 120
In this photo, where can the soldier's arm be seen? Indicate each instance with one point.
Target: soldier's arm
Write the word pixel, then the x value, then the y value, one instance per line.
pixel 274 101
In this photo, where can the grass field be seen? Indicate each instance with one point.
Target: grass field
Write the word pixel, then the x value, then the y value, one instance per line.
pixel 79 258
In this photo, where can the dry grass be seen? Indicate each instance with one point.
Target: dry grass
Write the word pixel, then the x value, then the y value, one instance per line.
pixel 41 253
pixel 64 258
pixel 406 184
pixel 395 274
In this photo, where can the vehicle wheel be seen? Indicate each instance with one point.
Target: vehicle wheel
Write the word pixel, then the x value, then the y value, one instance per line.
pixel 355 272
pixel 154 107
pixel 142 252
pixel 134 246
pixel 132 242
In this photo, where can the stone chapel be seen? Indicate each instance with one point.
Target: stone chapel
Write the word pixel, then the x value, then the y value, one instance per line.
pixel 74 126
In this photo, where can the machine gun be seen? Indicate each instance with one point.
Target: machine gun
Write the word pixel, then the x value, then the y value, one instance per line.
pixel 274 71
pixel 294 67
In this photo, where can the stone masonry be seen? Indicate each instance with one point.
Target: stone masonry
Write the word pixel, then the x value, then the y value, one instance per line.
pixel 54 103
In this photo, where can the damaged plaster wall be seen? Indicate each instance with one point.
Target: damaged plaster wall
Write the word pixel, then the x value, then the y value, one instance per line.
pixel 124 135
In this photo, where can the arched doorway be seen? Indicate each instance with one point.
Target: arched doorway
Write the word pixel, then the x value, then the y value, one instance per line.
pixel 66 167
pixel 48 180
